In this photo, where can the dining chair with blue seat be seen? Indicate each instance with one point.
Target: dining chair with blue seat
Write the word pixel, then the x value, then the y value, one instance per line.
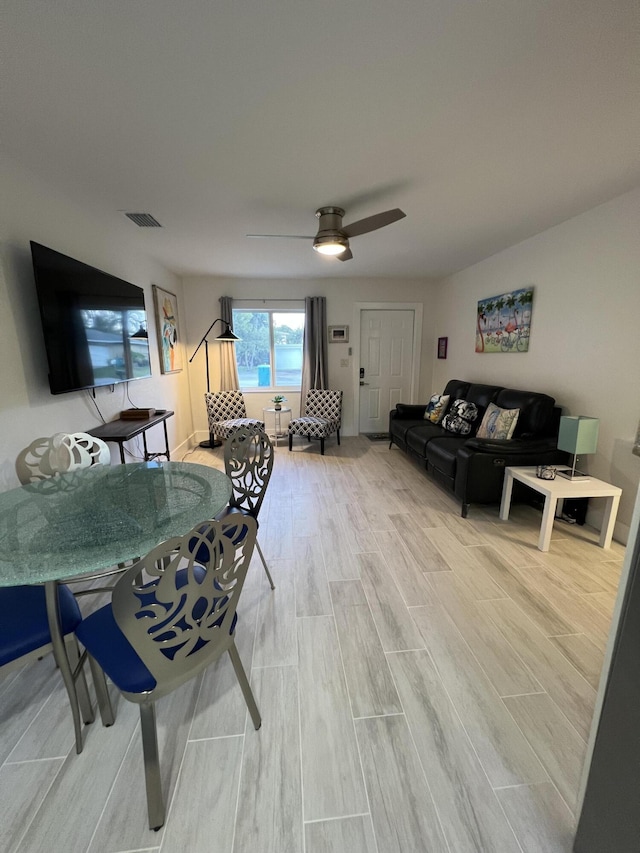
pixel 26 626
pixel 49 456
pixel 248 463
pixel 172 614
pixel 26 636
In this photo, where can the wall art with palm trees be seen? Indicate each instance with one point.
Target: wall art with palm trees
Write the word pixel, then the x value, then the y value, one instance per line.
pixel 504 322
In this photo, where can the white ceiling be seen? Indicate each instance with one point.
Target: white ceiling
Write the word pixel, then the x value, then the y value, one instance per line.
pixel 486 121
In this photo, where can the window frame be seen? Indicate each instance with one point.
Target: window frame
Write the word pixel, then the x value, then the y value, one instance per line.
pixel 270 308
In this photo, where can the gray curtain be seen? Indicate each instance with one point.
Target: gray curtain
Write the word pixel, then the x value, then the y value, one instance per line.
pixel 314 347
pixel 229 380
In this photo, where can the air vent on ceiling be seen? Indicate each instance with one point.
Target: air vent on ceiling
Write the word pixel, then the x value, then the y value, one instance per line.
pixel 144 220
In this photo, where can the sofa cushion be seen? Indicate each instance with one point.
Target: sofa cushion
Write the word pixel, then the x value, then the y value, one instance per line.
pixel 399 428
pixel 442 454
pixel 456 389
pixel 536 411
pixel 498 423
pixel 436 407
pixel 418 437
pixel 482 395
pixel 460 417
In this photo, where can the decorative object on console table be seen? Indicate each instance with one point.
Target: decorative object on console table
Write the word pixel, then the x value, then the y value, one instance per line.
pixel 442 347
pixel 578 436
pixel 225 335
pixel 136 414
pixel 169 340
pixel 338 334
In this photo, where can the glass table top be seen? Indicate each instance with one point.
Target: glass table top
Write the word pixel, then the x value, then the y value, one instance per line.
pixel 93 518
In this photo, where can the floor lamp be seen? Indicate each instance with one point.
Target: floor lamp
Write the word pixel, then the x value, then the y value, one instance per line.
pixel 226 335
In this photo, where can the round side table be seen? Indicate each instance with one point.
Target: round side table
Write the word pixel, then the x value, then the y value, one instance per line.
pixel 277 424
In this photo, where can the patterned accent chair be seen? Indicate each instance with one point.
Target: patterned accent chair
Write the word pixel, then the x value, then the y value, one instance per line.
pixel 322 417
pixel 227 413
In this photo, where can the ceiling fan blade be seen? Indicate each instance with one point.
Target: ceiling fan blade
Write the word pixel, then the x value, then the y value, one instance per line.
pixel 371 223
pixel 285 236
pixel 345 256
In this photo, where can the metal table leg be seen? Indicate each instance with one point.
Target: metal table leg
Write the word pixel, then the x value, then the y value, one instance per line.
pixel 62 660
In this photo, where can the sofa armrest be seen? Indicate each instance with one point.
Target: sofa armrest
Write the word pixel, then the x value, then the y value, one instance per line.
pixel 511 446
pixel 481 463
pixel 408 411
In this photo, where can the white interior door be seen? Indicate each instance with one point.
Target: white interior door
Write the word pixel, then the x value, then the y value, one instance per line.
pixel 386 353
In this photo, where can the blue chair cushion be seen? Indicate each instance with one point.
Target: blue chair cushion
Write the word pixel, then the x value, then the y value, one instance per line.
pixel 23 615
pixel 101 636
pixel 202 554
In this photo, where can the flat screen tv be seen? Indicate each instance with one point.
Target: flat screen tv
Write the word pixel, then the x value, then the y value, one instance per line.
pixel 94 324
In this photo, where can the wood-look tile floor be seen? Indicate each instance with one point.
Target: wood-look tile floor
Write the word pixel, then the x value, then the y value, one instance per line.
pixel 426 683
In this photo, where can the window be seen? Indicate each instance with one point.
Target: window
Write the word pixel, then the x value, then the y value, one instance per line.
pixel 269 353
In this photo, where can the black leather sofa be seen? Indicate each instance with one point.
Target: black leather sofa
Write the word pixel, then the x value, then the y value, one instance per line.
pixel 473 468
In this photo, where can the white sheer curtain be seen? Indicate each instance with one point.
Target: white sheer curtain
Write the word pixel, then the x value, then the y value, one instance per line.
pixel 229 379
pixel 314 347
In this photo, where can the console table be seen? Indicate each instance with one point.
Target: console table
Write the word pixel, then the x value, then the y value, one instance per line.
pixel 557 490
pixel 124 429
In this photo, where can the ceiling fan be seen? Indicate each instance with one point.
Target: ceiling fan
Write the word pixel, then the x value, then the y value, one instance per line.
pixel 333 237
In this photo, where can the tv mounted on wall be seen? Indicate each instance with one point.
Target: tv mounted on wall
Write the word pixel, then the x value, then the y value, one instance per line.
pixel 94 324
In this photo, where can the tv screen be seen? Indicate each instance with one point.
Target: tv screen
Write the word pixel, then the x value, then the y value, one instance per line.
pixel 94 324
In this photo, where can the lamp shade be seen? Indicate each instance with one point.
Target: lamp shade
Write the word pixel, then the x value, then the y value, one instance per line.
pixel 141 333
pixel 228 336
pixel 578 435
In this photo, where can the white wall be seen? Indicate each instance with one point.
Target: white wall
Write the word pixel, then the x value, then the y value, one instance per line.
pixel 34 210
pixel 585 340
pixel 202 306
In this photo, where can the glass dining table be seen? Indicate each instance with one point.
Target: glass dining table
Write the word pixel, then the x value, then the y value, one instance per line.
pixel 89 520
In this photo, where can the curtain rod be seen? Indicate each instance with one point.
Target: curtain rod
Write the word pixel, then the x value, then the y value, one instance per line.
pixel 258 299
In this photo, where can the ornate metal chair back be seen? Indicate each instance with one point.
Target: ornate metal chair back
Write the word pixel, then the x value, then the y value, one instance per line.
pixel 248 462
pixel 177 613
pixel 62 452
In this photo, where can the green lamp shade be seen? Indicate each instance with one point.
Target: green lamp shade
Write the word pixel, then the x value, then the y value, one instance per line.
pixel 578 435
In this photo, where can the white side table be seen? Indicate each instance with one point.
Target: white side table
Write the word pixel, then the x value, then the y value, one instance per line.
pixel 277 425
pixel 558 490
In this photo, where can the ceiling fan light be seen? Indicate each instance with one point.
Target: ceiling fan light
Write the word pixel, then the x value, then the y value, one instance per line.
pixel 331 245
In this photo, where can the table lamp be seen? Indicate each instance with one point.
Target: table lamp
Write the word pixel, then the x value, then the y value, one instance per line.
pixel 577 435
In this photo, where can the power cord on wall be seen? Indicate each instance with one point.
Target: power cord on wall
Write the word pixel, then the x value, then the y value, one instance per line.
pixel 140 455
pixel 93 400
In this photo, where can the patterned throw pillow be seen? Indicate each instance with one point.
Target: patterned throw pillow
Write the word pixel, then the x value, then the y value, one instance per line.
pixel 498 423
pixel 460 417
pixel 436 408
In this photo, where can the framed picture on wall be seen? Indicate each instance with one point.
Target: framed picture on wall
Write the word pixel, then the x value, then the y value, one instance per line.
pixel 503 322
pixel 338 334
pixel 165 305
pixel 442 347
